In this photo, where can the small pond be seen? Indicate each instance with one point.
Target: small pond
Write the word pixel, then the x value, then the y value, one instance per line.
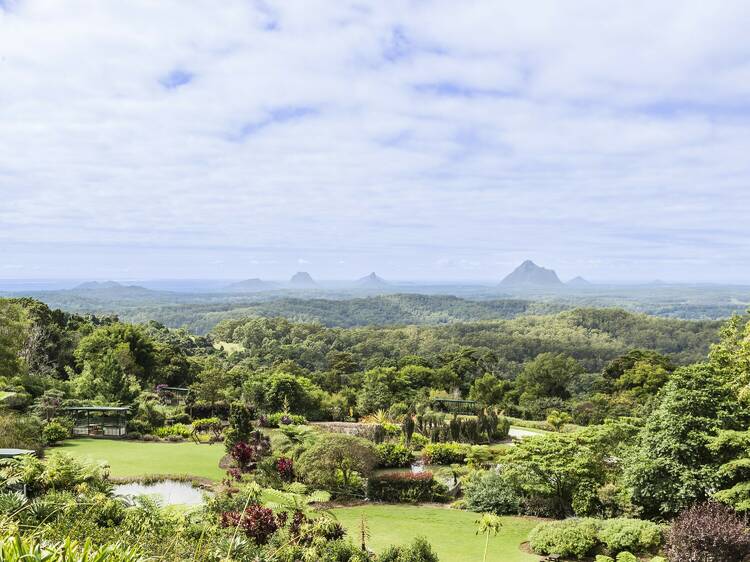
pixel 168 492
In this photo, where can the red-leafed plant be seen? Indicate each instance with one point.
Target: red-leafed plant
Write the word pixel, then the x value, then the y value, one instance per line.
pixel 708 531
pixel 257 522
pixel 247 453
pixel 285 468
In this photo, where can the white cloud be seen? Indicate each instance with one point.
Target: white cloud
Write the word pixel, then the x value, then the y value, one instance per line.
pixel 598 139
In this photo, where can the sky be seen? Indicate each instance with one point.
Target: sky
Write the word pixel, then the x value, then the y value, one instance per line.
pixel 425 140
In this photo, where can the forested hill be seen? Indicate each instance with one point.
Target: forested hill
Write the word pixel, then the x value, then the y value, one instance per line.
pixel 592 336
pixel 381 310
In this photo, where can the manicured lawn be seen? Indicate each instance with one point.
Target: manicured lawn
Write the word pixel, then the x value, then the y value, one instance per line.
pixel 451 532
pixel 138 458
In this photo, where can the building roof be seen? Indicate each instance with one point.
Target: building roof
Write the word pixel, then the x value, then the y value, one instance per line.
pixel 97 408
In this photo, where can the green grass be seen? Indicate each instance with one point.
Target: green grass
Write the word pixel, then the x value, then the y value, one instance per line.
pixel 451 532
pixel 139 458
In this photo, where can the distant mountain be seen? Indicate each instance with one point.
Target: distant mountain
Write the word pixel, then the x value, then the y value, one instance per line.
pixel 302 279
pixel 578 282
pixel 372 281
pixel 529 274
pixel 250 286
pixel 98 285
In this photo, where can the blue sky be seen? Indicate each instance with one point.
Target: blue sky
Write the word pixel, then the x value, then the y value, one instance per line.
pixel 237 139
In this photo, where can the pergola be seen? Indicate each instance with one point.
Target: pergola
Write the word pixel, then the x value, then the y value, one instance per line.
pixel 174 395
pixel 455 406
pixel 99 421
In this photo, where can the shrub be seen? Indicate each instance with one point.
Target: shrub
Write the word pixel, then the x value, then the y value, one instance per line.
pixel 406 487
pixel 626 556
pixel 178 429
pixel 393 455
pixel 572 537
pixel 418 551
pixel 279 419
pixel 445 453
pixel 247 454
pixel 337 462
pixel 139 426
pixel 658 559
pixel 418 441
pixel 634 535
pixel 20 432
pixel 602 558
pixel 488 491
pixel 54 432
pixel 708 531
pixel 285 468
pixel 257 522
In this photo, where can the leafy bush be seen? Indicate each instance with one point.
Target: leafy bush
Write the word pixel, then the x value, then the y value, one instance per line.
pixel 602 558
pixel 418 441
pixel 393 455
pixel 488 491
pixel 20 432
pixel 54 432
pixel 338 463
pixel 406 487
pixel 708 531
pixel 626 556
pixel 572 537
pixel 659 559
pixel 178 429
pixel 445 453
pixel 418 551
pixel 139 426
pixel 634 535
pixel 257 522
pixel 279 419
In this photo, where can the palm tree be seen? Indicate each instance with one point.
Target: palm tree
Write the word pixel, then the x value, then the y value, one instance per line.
pixel 489 524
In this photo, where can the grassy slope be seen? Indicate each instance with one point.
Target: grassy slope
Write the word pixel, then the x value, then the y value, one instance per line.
pixel 137 458
pixel 451 532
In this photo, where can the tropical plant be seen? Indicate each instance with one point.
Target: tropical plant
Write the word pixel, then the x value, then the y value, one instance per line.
pixel 488 525
pixel 708 531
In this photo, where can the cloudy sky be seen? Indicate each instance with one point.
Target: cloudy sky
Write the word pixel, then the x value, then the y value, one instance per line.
pixel 424 140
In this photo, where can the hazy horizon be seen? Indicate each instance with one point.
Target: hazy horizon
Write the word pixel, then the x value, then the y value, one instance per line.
pixel 255 139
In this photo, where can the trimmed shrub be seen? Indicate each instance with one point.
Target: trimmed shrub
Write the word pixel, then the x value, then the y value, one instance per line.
pixel 488 491
pixel 626 556
pixel 708 531
pixel 393 455
pixel 634 535
pixel 405 487
pixel 572 537
pixel 54 432
pixel 280 418
pixel 139 426
pixel 418 551
pixel 179 429
pixel 602 558
pixel 445 453
pixel 610 535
